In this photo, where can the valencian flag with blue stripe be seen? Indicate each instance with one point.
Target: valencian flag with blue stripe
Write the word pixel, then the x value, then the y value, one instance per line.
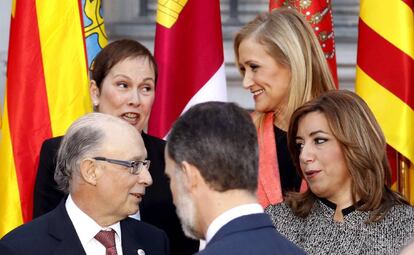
pixel 189 54
pixel 385 74
pixel 46 90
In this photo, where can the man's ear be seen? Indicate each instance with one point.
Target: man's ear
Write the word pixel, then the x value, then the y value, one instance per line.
pixel 192 175
pixel 94 92
pixel 88 171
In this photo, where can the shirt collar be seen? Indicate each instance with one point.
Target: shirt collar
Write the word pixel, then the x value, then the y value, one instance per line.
pixel 85 226
pixel 230 215
pixel 346 210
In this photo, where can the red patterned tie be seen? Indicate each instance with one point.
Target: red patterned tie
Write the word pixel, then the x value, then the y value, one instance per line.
pixel 107 239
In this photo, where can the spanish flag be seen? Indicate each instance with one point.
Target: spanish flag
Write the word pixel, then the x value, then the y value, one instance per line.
pixel 385 71
pixel 46 90
pixel 319 15
pixel 189 54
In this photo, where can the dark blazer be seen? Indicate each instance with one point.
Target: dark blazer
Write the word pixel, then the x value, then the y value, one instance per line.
pixel 250 234
pixel 54 233
pixel 4 250
pixel 156 208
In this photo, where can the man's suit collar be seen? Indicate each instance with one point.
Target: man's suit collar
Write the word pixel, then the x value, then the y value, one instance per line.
pixel 241 224
pixel 62 229
pixel 130 244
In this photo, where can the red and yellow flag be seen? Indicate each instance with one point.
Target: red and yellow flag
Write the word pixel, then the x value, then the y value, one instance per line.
pixel 47 89
pixel 385 70
pixel 189 53
pixel 319 15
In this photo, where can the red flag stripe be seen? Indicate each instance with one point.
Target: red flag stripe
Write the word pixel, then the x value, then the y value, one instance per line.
pixel 410 3
pixel 392 68
pixel 182 54
pixel 26 109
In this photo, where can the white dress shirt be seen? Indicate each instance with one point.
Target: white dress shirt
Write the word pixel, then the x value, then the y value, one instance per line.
pixel 87 228
pixel 230 215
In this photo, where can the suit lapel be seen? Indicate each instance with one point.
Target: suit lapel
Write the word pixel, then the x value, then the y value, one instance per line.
pixel 62 229
pixel 130 245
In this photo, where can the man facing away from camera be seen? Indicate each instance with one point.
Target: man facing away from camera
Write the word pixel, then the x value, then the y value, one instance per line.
pixel 212 163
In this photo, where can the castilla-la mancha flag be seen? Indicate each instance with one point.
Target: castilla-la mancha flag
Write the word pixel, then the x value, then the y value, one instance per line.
pixel 319 15
pixel 46 90
pixel 189 54
pixel 385 73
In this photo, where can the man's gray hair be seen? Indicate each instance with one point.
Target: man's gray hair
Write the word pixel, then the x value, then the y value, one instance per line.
pixel 81 141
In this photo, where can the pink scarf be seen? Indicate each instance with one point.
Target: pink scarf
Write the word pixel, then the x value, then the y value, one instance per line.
pixel 269 190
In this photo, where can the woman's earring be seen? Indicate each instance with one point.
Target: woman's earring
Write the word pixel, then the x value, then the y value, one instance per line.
pixel 95 106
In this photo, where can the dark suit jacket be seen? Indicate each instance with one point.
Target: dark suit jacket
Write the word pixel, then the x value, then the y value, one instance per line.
pixel 54 233
pixel 247 235
pixel 4 250
pixel 156 208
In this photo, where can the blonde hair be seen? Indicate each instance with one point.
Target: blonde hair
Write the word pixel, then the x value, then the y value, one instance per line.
pixel 354 126
pixel 290 40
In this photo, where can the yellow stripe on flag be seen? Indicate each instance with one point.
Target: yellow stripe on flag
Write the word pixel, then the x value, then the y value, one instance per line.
pixel 394 116
pixel 10 208
pixel 390 19
pixel 13 7
pixel 64 62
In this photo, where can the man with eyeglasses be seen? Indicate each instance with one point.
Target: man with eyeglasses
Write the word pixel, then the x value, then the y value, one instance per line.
pixel 101 165
pixel 212 162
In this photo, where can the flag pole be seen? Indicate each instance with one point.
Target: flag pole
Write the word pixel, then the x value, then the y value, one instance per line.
pixel 403 176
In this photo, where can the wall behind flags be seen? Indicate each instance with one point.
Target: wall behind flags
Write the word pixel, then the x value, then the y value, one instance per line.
pixel 136 19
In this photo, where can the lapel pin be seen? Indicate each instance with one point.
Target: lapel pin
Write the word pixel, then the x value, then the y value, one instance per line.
pixel 140 252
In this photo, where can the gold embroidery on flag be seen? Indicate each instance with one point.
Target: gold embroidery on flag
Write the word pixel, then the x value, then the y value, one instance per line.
pixel 305 4
pixel 168 11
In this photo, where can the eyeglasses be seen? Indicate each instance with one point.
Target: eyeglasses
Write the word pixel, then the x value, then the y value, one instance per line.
pixel 135 166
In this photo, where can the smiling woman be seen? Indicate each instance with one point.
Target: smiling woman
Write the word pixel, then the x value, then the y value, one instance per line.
pixel 349 208
pixel 123 82
pixel 283 66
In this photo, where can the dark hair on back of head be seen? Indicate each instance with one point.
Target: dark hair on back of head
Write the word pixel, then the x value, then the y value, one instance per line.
pixel 220 140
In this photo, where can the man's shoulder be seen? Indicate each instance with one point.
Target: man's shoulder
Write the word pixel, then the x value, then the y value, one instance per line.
pixel 248 222
pixel 250 234
pixel 30 234
pixel 52 143
pixel 5 249
pixel 50 233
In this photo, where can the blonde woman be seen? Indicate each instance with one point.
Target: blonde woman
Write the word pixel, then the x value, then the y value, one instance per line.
pixel 283 67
